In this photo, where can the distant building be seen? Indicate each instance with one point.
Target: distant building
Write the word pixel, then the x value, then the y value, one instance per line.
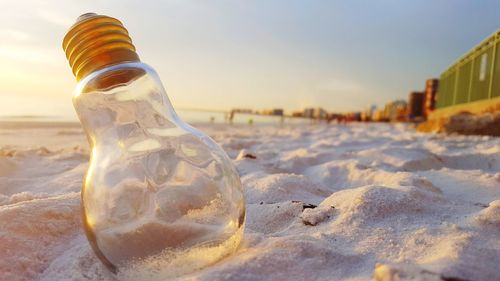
pixel 309 112
pixel 395 111
pixel 277 112
pixel 335 116
pixel 242 110
pixel 320 113
pixel 431 87
pixel 316 113
pixel 367 115
pixel 353 116
pixel 274 112
pixel 416 106
pixel 379 116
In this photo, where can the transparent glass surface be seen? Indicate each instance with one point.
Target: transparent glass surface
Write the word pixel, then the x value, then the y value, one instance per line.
pixel 160 198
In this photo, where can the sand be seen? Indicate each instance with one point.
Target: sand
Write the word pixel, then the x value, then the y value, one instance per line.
pixel 324 202
pixel 487 124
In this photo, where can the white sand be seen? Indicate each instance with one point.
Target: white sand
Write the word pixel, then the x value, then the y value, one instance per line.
pixel 385 194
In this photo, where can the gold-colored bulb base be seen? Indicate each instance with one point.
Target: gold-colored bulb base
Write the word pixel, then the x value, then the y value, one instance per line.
pixel 97 41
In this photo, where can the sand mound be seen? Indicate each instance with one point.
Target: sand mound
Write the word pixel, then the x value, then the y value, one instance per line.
pixel 33 234
pixel 281 187
pixel 465 123
pixel 490 216
pixel 375 204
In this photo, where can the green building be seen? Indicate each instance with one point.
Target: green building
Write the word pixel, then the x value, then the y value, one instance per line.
pixel 474 77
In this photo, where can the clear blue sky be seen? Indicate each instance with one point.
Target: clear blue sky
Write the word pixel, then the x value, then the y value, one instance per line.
pixel 341 55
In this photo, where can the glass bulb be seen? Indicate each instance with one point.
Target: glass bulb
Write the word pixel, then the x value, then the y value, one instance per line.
pixel 160 198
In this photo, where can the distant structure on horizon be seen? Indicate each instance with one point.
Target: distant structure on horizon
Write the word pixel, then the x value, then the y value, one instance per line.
pixel 312 112
pixel 416 102
pixel 468 95
pixel 472 83
pixel 242 110
pixel 272 112
pixel 431 87
pixel 317 113
pixel 395 111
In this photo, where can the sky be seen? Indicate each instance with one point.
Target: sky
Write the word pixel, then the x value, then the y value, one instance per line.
pixel 223 54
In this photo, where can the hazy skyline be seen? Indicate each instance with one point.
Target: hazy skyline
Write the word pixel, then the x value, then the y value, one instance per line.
pixel 340 55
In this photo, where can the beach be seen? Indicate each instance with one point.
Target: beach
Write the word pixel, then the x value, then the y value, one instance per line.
pixel 324 202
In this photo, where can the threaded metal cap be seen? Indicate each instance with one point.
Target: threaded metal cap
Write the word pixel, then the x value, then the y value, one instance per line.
pixel 97 41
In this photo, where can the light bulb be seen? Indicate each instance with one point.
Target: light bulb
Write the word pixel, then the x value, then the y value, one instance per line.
pixel 160 198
